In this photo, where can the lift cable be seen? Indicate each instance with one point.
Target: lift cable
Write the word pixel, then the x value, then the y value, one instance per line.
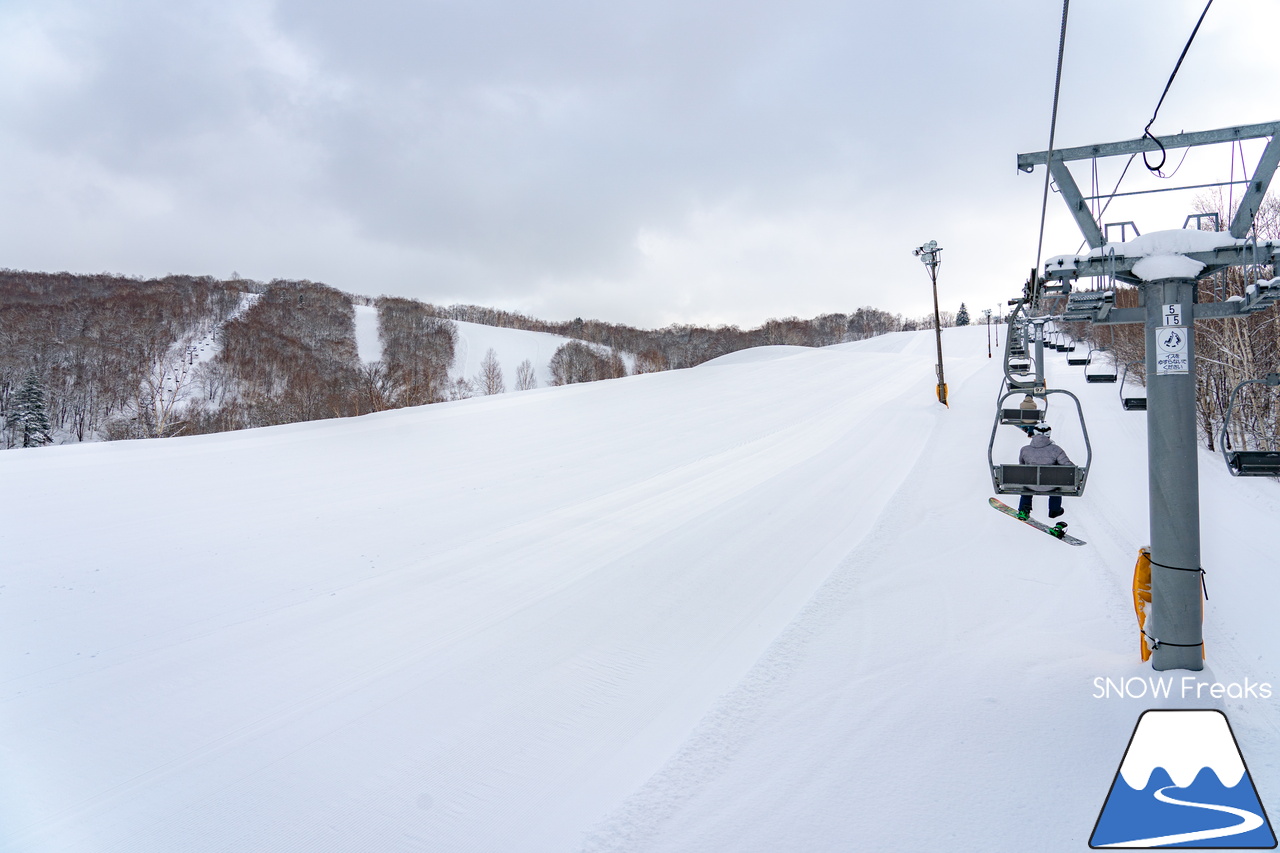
pixel 1053 126
pixel 1146 132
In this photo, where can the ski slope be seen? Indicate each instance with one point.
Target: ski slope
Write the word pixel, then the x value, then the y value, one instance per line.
pixel 474 340
pixel 758 605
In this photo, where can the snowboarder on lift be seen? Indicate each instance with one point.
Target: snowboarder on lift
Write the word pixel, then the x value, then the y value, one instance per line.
pixel 1042 451
pixel 1028 405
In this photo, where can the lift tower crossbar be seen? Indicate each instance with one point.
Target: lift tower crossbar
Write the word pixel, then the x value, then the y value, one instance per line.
pixel 1075 200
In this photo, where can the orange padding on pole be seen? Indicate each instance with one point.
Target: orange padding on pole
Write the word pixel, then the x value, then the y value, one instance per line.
pixel 942 395
pixel 1142 596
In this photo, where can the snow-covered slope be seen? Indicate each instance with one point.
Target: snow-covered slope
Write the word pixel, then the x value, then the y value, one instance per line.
pixel 759 605
pixel 511 346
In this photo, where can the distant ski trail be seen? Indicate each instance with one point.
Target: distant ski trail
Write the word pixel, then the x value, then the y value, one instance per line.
pixel 1249 821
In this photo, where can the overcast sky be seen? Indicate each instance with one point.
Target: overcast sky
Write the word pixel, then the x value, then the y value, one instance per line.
pixel 638 161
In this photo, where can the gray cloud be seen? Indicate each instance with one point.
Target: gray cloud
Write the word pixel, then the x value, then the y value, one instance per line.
pixel 641 162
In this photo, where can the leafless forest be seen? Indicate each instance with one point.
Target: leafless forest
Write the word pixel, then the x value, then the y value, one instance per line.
pixel 110 357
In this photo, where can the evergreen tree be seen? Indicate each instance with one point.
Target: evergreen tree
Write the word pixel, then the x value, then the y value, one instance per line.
pixel 32 420
pixel 962 318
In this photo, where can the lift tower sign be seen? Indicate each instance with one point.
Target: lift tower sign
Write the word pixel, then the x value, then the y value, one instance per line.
pixel 1171 343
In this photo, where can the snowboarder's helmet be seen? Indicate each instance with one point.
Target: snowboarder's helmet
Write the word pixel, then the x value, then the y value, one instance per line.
pixel 1044 429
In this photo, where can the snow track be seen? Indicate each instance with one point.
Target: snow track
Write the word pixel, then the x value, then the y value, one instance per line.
pixel 707 609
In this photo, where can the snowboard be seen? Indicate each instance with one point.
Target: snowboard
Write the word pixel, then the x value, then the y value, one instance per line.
pixel 1056 531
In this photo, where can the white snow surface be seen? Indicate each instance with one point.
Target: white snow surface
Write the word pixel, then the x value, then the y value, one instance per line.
pixel 1156 267
pixel 511 346
pixel 368 346
pixel 756 606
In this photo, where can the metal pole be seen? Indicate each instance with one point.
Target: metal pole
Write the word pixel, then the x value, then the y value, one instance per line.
pixel 1037 332
pixel 1175 627
pixel 937 328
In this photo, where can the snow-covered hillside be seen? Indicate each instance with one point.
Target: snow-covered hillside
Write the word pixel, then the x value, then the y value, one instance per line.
pixel 758 605
pixel 511 346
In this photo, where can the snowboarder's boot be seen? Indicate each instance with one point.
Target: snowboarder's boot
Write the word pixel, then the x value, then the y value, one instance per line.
pixel 1054 513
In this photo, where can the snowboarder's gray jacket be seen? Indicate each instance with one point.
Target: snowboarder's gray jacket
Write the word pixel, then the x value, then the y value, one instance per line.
pixel 1042 451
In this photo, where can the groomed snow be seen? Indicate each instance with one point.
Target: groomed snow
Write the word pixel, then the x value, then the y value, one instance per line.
pixel 757 606
pixel 368 346
pixel 511 346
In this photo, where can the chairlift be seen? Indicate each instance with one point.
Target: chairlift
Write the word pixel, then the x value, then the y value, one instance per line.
pixel 1248 463
pixel 1020 417
pixel 1098 375
pixel 1064 480
pixel 1131 404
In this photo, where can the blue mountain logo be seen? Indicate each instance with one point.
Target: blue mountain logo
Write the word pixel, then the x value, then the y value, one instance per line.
pixel 1183 783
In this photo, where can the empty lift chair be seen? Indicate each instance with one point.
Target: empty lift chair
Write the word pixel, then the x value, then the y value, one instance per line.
pixel 1131 402
pixel 1011 479
pixel 1249 463
pixel 1104 374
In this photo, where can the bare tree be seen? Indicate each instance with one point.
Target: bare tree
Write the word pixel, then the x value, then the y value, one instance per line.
pixel 490 380
pixel 461 389
pixel 526 379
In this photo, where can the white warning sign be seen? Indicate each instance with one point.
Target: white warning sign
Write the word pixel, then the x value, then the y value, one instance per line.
pixel 1171 350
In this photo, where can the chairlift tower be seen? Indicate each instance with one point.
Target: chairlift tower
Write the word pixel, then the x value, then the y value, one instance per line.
pixel 1168 308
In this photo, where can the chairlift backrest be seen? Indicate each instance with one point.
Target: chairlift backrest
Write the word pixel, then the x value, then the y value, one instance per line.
pixel 1131 402
pixel 1248 463
pixel 1099 375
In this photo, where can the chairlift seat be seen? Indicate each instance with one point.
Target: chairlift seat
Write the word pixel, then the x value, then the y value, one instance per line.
pixel 1100 377
pixel 1078 361
pixel 1021 417
pixel 1253 463
pixel 1065 480
pixel 1134 404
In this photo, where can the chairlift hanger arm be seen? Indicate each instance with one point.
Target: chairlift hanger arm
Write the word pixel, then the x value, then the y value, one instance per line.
pixel 1075 203
pixel 1258 184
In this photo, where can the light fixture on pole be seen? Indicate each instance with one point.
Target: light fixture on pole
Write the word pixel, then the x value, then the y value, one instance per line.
pixel 987 311
pixel 931 256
